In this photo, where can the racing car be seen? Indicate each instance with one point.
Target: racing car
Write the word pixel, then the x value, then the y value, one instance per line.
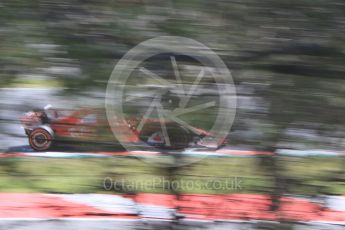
pixel 49 126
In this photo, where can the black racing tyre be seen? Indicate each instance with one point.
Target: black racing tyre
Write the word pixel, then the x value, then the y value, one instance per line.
pixel 180 138
pixel 40 139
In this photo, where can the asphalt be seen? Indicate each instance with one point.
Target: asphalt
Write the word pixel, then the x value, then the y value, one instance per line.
pixel 106 224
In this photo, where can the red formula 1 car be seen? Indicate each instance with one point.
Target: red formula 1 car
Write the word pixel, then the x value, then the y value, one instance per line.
pixel 44 127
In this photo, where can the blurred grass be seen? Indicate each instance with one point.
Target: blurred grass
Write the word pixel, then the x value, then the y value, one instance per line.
pixel 210 176
pixel 21 83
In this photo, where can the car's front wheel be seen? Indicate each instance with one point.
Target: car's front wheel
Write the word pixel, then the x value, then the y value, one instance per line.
pixel 40 139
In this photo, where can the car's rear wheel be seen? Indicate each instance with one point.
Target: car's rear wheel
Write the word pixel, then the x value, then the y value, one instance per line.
pixel 40 139
pixel 179 137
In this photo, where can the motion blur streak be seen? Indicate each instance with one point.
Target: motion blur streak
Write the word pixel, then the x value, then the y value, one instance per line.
pixel 287 62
